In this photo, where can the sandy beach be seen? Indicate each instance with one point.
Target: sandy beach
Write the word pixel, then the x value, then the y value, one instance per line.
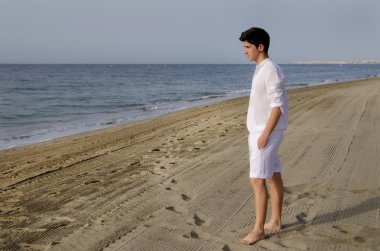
pixel 180 181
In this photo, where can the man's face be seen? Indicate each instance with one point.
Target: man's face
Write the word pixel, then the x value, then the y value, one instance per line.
pixel 251 51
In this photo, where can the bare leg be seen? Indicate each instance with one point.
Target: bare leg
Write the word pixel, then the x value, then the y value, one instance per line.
pixel 261 200
pixel 276 189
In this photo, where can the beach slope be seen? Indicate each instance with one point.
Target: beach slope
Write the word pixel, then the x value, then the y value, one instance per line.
pixel 180 181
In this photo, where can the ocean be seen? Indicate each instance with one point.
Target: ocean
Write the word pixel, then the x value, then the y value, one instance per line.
pixel 43 102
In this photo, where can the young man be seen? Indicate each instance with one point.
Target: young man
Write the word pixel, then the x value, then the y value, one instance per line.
pixel 267 119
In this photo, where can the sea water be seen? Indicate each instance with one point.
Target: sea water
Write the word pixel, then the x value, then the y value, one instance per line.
pixel 42 102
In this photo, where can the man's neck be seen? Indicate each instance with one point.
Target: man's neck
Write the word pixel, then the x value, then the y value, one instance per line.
pixel 261 58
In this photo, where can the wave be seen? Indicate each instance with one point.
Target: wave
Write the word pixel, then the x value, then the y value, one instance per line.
pixel 221 95
pixel 212 96
pixel 112 122
pixel 150 107
pixel 240 91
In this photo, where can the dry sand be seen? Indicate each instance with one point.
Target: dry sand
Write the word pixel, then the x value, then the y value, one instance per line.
pixel 180 181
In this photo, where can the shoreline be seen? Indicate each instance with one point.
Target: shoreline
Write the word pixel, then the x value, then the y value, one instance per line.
pixel 180 110
pixel 180 181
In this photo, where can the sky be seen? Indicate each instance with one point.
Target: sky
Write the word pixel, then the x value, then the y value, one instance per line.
pixel 185 31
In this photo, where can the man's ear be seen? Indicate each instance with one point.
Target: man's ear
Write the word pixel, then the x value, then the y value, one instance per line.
pixel 260 47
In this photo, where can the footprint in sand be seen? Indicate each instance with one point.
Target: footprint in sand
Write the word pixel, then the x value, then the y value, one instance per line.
pixel 197 220
pixel 226 248
pixel 301 217
pixel 7 172
pixel 170 208
pixel 169 188
pixel 185 197
pixel 137 163
pixel 92 182
pixel 175 209
pixel 297 194
pixel 360 239
pixel 192 234
pixel 340 230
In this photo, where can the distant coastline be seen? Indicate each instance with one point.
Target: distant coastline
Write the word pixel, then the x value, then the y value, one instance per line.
pixel 339 62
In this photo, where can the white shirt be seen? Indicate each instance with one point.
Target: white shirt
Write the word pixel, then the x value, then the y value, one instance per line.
pixel 268 91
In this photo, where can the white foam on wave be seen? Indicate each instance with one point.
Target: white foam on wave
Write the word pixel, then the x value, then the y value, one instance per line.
pixel 205 97
pixel 240 91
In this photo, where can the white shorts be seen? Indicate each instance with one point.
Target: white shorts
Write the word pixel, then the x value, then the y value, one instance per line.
pixel 263 163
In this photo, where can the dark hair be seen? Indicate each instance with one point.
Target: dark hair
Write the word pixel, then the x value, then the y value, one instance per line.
pixel 256 36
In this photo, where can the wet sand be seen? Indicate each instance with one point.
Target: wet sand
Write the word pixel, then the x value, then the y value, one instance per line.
pixel 180 181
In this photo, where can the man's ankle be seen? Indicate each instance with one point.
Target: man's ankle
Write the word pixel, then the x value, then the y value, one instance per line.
pixel 258 229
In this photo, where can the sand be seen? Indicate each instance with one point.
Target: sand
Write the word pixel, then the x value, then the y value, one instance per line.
pixel 180 181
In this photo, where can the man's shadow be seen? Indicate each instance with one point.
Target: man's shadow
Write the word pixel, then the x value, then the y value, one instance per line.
pixel 368 205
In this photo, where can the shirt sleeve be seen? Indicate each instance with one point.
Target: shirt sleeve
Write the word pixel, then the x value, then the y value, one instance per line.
pixel 275 90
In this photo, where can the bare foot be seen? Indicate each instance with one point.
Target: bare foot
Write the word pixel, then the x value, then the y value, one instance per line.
pixel 274 226
pixel 253 237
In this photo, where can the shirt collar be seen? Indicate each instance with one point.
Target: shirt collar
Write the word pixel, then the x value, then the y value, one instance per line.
pixel 263 62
